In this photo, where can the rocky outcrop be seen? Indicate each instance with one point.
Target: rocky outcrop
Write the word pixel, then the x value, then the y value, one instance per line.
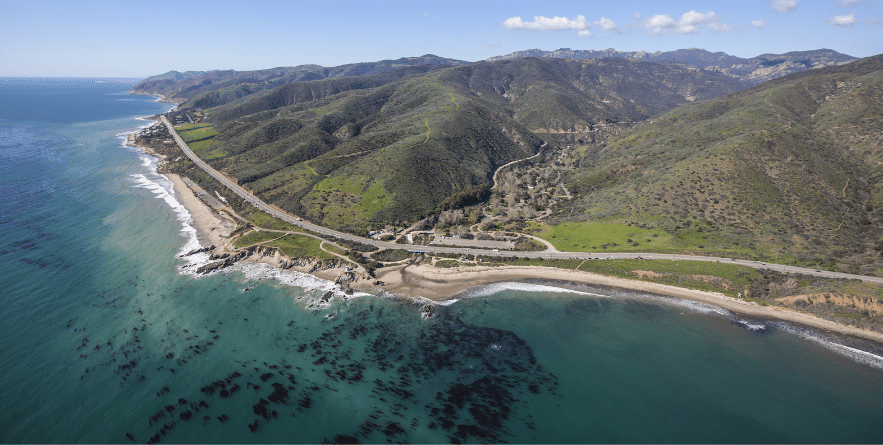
pixel 346 279
pixel 200 250
pixel 269 255
pixel 310 264
pixel 220 261
pixel 427 311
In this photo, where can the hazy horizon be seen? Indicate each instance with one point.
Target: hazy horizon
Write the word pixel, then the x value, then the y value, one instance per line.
pixel 103 39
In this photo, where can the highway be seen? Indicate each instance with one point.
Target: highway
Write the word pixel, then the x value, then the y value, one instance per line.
pixel 470 251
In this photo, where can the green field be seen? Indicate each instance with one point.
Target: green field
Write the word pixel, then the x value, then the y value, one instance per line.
pixel 196 132
pixel 266 221
pixel 331 248
pixel 253 238
pixel 200 138
pixel 299 246
pixel 291 245
pixel 603 237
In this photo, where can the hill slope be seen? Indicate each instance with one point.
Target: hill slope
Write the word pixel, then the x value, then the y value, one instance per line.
pixel 363 151
pixel 366 156
pixel 579 98
pixel 790 169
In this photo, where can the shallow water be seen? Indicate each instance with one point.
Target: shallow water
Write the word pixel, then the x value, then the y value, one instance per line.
pixel 106 333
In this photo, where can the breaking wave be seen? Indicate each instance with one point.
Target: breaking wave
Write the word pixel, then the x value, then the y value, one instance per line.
pixel 491 289
pixel 858 355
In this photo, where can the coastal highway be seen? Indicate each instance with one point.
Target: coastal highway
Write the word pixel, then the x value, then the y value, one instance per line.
pixel 471 251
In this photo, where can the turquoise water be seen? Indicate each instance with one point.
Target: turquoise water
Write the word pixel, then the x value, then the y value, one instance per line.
pixel 108 338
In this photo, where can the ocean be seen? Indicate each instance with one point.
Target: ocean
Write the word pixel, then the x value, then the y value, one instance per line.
pixel 107 337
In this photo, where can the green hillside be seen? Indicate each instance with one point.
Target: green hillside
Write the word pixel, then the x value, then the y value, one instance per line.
pixel 571 100
pixel 364 151
pixel 789 170
pixel 371 156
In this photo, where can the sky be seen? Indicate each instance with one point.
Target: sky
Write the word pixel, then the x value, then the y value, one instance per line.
pixel 40 38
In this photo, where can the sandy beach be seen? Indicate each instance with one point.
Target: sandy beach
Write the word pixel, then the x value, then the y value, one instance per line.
pixel 212 228
pixel 214 225
pixel 441 284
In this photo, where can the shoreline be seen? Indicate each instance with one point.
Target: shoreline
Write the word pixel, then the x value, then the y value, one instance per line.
pixel 447 284
pixel 159 97
pixel 212 229
pixel 440 285
pixel 214 226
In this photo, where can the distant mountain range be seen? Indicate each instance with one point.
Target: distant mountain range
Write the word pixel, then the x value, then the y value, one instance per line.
pixel 754 70
pixel 227 85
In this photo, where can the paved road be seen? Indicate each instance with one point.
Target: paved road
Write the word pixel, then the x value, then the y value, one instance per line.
pixel 467 251
pixel 480 243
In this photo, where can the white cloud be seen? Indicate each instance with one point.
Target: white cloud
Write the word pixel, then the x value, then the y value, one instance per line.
pixel 606 24
pixel 637 15
pixel 493 45
pixel 721 27
pixel 584 33
pixel 545 23
pixel 688 24
pixel 842 20
pixel 758 23
pixel 658 24
pixel 847 2
pixel 783 6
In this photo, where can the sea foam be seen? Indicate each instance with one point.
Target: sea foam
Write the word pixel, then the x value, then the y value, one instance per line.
pixel 490 289
pixel 858 355
pixel 706 309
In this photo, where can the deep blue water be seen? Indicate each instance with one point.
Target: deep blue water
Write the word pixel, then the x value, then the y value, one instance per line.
pixel 105 335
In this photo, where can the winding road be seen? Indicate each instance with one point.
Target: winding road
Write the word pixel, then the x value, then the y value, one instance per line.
pixel 469 251
pixel 497 172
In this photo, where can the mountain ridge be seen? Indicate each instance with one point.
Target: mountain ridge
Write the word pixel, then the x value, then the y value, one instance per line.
pixel 230 85
pixel 755 70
